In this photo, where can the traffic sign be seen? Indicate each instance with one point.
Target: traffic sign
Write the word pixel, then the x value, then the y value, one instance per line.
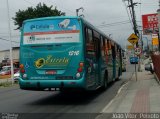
pixel 129 47
pixel 155 39
pixel 133 39
pixel 138 51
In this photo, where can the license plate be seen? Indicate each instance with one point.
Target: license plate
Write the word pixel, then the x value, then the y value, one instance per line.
pixel 51 72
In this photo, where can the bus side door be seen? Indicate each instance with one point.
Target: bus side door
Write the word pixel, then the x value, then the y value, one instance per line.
pixel 97 62
pixel 91 58
pixel 109 59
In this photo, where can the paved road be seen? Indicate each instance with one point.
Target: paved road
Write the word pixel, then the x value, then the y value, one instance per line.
pixel 14 100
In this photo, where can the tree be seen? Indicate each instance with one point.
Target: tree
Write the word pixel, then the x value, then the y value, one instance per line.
pixel 37 12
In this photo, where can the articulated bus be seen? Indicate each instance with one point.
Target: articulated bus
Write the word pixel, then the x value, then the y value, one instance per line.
pixel 67 53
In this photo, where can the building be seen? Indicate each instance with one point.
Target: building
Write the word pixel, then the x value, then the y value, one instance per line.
pixel 5 57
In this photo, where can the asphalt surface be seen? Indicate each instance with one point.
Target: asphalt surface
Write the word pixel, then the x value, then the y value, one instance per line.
pixel 62 105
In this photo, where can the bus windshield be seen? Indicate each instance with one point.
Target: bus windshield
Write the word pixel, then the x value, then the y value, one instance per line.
pixel 51 31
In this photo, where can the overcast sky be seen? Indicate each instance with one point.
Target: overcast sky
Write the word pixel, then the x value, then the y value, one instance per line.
pixel 110 16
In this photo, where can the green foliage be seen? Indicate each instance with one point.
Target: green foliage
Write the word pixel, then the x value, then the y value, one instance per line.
pixel 7 84
pixel 37 12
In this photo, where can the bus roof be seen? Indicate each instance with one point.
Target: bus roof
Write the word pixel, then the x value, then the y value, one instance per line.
pixel 54 17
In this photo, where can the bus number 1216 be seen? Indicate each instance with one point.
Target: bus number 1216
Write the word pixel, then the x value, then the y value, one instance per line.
pixel 71 53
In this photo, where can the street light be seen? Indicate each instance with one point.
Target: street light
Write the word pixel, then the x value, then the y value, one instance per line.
pixel 77 10
pixel 9 32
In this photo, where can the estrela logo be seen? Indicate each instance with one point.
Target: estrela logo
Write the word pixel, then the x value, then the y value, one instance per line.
pixel 51 61
pixel 40 63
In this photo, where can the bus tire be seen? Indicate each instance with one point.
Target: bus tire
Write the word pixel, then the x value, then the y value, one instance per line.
pixel 105 81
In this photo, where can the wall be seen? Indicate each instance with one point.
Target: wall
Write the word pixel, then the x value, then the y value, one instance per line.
pixel 156 63
pixel 6 54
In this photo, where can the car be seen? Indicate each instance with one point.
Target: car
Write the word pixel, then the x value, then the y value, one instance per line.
pixel 16 76
pixel 134 60
pixel 149 66
pixel 6 70
pixel 146 55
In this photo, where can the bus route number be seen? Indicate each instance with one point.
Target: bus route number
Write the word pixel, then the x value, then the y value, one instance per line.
pixel 73 53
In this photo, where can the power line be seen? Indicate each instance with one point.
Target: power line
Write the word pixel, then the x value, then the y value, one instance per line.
pixel 127 13
pixel 133 16
pixel 113 24
pixel 130 11
pixel 117 29
pixel 28 2
pixel 6 35
pixel 11 36
pixel 9 40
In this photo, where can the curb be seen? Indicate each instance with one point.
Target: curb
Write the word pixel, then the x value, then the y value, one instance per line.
pixel 157 79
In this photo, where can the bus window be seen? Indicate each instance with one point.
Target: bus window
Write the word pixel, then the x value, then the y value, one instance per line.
pixel 97 43
pixel 117 52
pixel 106 49
pixel 106 46
pixel 109 51
pixel 89 40
pixel 109 47
pixel 90 36
pixel 86 35
pixel 103 48
pixel 113 50
pixel 90 50
pixel 115 46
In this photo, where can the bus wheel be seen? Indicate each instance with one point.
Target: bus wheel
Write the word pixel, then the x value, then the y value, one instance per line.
pixel 105 81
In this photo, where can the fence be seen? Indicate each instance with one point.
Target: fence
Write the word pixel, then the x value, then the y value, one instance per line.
pixel 156 64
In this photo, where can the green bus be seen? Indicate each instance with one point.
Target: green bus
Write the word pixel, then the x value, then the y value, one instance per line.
pixel 67 53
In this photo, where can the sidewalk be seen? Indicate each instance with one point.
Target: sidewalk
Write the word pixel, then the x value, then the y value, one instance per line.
pixel 141 96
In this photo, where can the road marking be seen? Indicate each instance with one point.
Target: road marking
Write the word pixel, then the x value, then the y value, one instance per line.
pixel 105 108
pixel 121 88
pixel 109 104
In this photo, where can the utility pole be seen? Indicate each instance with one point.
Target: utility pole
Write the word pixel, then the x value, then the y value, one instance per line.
pixel 134 27
pixel 9 31
pixel 133 17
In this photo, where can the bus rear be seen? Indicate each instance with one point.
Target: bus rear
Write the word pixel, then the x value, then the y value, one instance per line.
pixel 51 54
